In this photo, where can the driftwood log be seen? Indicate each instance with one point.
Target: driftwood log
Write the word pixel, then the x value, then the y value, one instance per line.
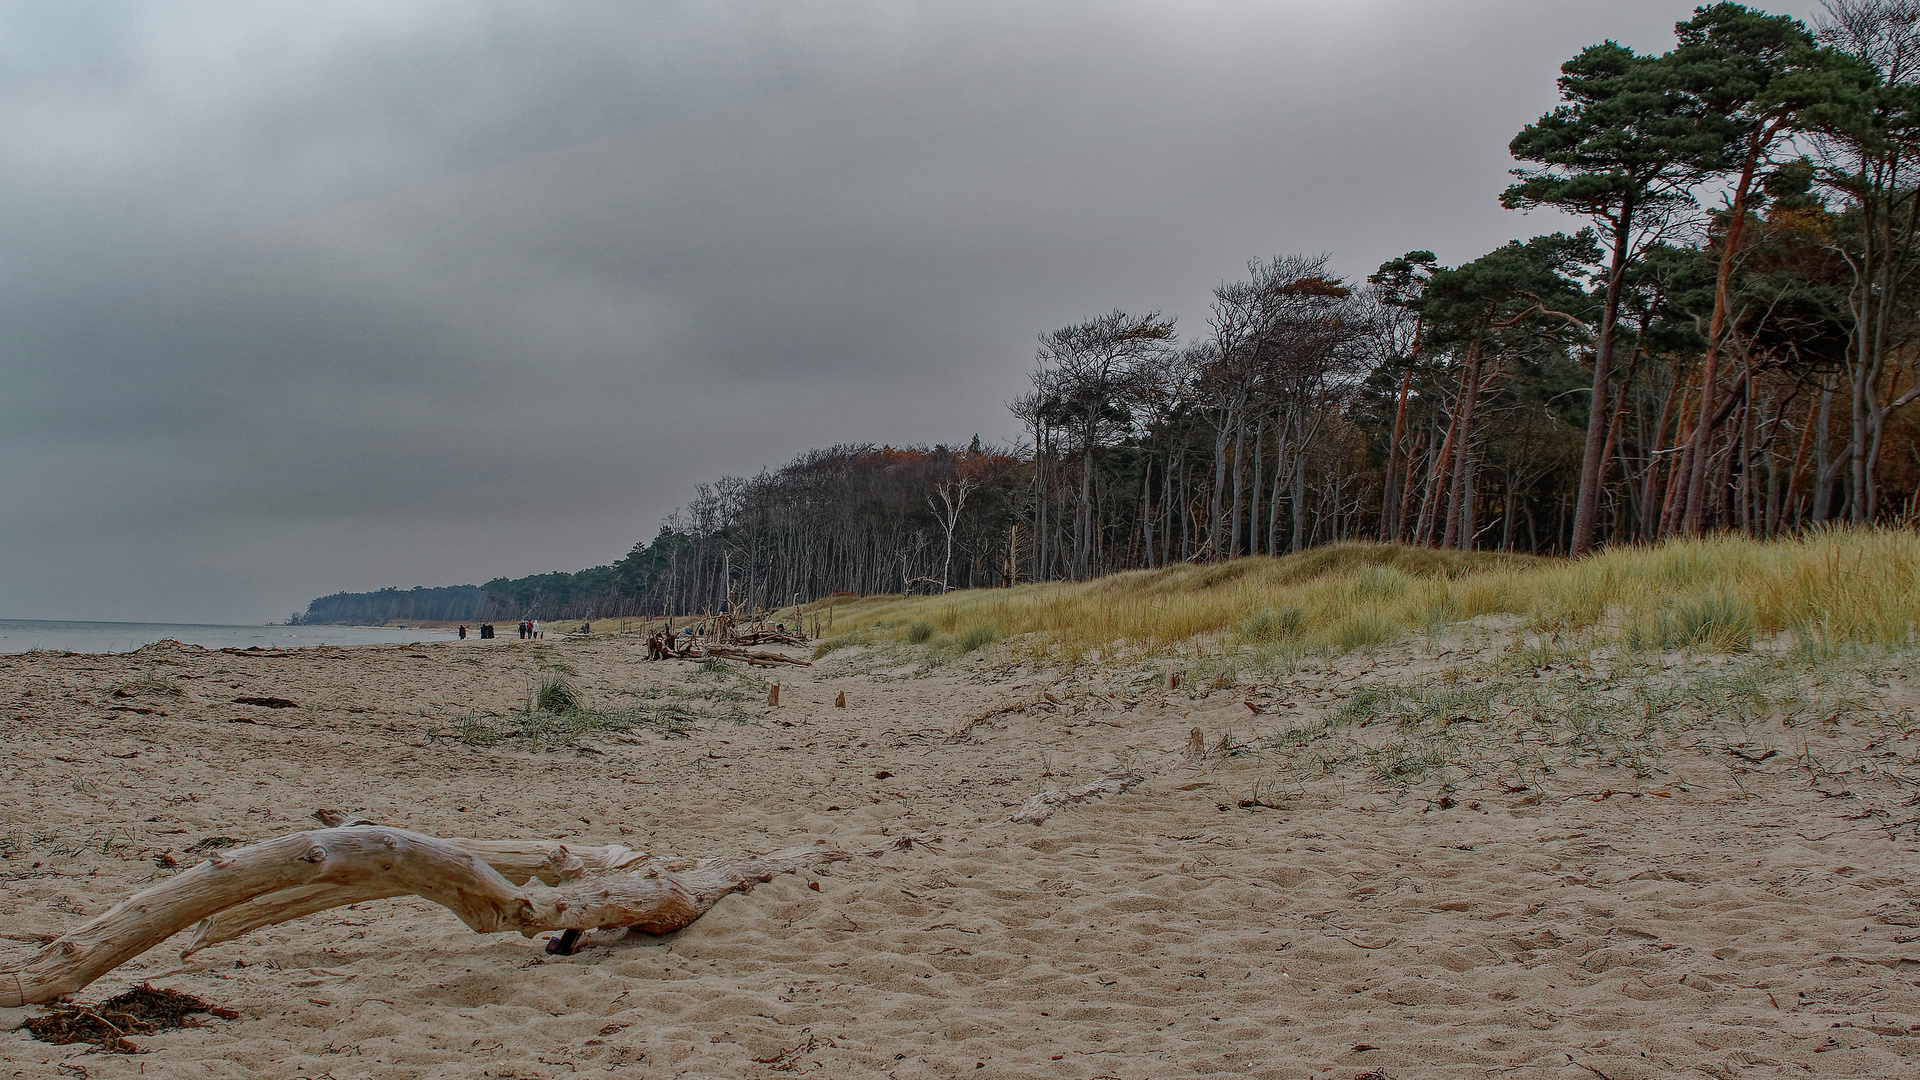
pixel 765 635
pixel 1040 807
pixel 757 659
pixel 490 885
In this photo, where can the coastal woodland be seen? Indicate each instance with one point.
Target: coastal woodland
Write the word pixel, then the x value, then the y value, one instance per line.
pixel 1727 338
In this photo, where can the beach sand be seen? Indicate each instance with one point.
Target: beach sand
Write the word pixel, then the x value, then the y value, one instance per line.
pixel 1725 914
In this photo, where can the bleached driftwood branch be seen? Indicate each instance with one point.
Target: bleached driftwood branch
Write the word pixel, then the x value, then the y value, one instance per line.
pixel 270 882
pixel 1040 807
pixel 551 862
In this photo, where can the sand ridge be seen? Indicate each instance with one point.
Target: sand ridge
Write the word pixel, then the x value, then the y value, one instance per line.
pixel 1719 915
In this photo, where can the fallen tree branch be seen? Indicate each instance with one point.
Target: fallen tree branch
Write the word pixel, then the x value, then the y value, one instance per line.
pixel 364 862
pixel 1040 807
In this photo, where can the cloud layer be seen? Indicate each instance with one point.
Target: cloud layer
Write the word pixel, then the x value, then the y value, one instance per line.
pixel 300 297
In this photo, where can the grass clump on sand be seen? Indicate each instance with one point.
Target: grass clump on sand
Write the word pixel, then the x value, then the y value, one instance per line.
pixel 558 715
pixel 556 694
pixel 975 637
pixel 148 686
pixel 1719 621
pixel 1838 586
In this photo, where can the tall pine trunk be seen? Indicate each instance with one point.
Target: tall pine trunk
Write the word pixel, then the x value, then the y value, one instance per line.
pixel 1593 464
pixel 1717 336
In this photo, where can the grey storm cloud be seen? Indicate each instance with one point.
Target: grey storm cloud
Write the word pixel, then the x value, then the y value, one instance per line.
pixel 298 297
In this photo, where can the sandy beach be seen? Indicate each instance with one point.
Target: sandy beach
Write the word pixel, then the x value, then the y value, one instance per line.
pixel 1719 895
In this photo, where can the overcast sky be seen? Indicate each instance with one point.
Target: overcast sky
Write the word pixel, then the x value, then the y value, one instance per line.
pixel 298 297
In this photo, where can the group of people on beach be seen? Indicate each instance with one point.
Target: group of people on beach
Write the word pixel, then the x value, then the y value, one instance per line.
pixel 529 629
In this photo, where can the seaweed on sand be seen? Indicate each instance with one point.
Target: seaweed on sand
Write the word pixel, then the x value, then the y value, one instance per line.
pixel 142 1010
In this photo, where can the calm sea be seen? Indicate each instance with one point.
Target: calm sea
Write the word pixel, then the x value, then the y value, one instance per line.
pixel 21 635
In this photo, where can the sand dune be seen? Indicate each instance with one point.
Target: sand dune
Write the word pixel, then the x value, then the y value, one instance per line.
pixel 1725 914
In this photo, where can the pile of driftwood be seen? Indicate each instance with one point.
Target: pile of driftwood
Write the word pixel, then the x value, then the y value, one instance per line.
pixel 492 885
pixel 662 647
pixel 726 637
pixel 687 647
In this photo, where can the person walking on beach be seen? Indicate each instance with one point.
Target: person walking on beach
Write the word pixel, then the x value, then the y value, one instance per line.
pixel 533 628
pixel 463 631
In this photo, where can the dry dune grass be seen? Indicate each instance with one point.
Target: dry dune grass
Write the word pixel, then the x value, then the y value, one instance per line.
pixel 1829 588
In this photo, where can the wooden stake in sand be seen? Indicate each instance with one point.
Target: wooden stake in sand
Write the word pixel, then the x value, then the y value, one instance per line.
pixel 773 694
pixel 277 880
pixel 1196 746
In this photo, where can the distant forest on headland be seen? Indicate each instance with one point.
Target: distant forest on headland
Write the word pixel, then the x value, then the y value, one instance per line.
pixel 1729 344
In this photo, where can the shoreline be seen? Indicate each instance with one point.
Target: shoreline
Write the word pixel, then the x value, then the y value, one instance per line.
pixel 21 636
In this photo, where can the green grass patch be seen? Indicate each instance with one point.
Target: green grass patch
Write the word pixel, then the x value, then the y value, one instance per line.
pixel 556 694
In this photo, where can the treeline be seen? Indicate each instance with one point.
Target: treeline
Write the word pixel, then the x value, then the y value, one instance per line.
pixel 451 603
pixel 1729 345
pixel 544 596
pixel 853 519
